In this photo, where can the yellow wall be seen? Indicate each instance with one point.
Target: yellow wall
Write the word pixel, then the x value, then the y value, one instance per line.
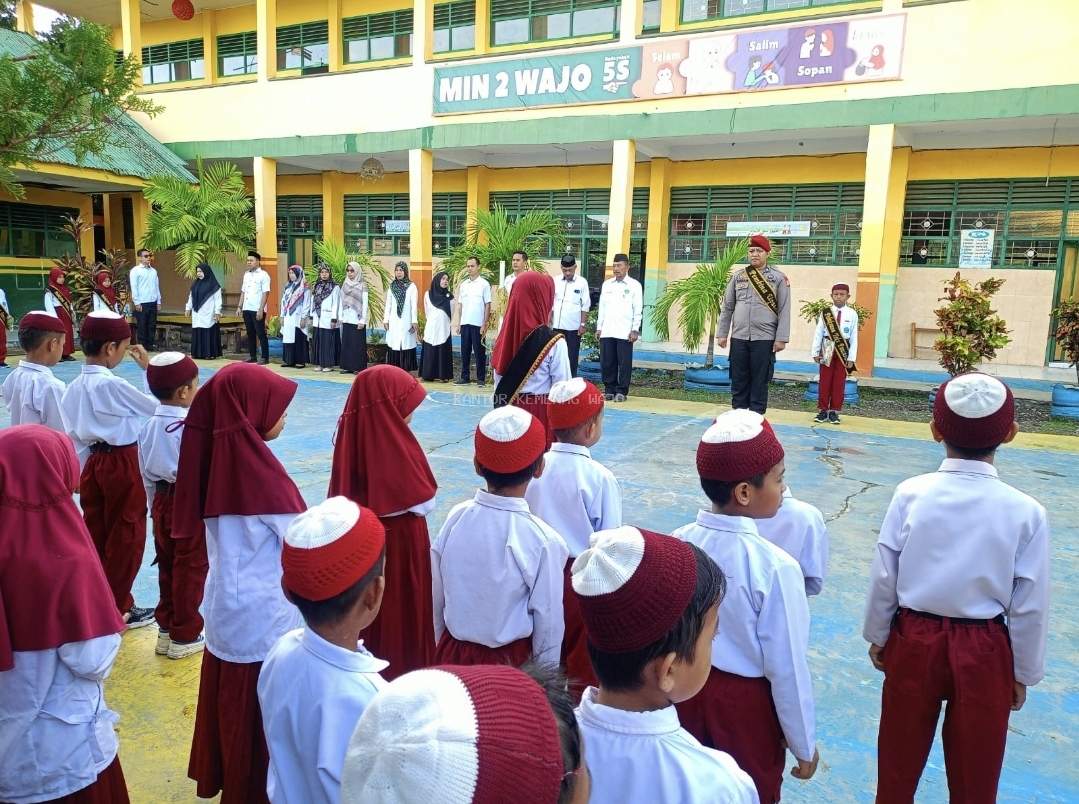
pixel 240 19
pixel 770 170
pixel 994 163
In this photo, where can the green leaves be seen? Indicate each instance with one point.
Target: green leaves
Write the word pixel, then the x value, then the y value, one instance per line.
pixel 375 274
pixel 1067 332
pixel 972 332
pixel 811 310
pixel 493 236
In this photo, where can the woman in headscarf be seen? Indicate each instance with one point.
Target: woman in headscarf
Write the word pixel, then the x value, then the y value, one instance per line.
pixel 325 311
pixel 58 302
pixel 295 310
pixel 353 320
pixel 437 363
pixel 104 295
pixel 204 307
pixel 401 320
pixel 379 464
pixel 529 356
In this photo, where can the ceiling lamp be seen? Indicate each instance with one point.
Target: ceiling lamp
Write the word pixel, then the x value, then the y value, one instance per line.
pixel 183 9
pixel 372 170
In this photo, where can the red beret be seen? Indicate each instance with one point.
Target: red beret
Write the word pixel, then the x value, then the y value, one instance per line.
pixel 760 241
pixel 39 319
pixel 974 411
pixel 509 439
pixel 104 326
pixel 170 370
pixel 739 445
pixel 572 402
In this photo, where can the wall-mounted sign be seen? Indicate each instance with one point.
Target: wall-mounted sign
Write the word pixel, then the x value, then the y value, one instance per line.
pixel 392 227
pixel 854 50
pixel 976 248
pixel 769 228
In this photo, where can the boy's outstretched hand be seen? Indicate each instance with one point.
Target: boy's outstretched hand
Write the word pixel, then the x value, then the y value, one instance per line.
pixel 139 355
pixel 805 770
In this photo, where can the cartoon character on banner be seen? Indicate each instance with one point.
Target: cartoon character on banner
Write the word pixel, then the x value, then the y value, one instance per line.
pixel 704 70
pixel 873 63
pixel 760 74
pixel 664 80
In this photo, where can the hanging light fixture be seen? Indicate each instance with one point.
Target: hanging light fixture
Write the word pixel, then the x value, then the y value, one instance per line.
pixel 183 9
pixel 372 170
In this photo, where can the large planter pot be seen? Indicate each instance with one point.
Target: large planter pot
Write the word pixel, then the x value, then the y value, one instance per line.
pixel 1065 402
pixel 376 353
pixel 277 348
pixel 850 392
pixel 716 379
pixel 590 370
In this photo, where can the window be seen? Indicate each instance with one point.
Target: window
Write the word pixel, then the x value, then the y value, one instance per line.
pixel 521 21
pixel 175 61
pixel 699 218
pixel 455 26
pixel 237 54
pixel 304 47
pixel 1029 219
pixel 650 21
pixel 448 227
pixel 584 215
pixel 366 219
pixel 30 230
pixel 378 36
pixel 698 10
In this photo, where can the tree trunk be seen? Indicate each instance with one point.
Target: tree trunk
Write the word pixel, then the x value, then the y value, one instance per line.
pixel 710 355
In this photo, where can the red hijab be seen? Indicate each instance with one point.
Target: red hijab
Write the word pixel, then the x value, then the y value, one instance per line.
pixel 52 588
pixel 56 287
pixel 377 461
pixel 530 306
pixel 107 293
pixel 225 465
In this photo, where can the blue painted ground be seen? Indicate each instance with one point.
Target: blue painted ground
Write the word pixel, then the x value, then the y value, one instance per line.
pixel 850 477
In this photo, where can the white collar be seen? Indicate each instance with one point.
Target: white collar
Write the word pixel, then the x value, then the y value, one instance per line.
pixel 90 368
pixel 656 722
pixel 968 467
pixel 31 366
pixel 170 411
pixel 724 522
pixel 489 500
pixel 355 661
pixel 571 449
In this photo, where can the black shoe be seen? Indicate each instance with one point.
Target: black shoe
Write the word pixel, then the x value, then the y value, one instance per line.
pixel 67 359
pixel 3 365
pixel 301 365
pixel 833 417
pixel 822 417
pixel 265 362
pixel 137 618
pixel 619 397
pixel 252 360
pixel 609 397
pixel 462 382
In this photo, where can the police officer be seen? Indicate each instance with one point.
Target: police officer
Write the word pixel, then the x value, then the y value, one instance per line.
pixel 758 302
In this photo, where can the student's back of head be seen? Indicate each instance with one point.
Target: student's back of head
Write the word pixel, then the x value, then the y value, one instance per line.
pixel 575 412
pixel 973 414
pixel 509 444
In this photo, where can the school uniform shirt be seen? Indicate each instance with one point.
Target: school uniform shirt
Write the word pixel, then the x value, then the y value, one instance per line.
pixel 648 758
pixel 507 283
pixel 328 311
pixel 99 406
pixel 764 619
pixel 351 315
pixel 144 284
pixel 620 304
pixel 798 529
pixel 99 303
pixel 398 336
pixel 496 576
pixel 575 495
pixel 51 303
pixel 436 328
pixel 570 300
pixel 32 394
pixel 960 542
pixel 255 283
pixel 56 731
pixel 312 693
pixel 159 446
pixel 472 295
pixel 291 322
pixel 203 318
pixel 847 319
pixel 553 368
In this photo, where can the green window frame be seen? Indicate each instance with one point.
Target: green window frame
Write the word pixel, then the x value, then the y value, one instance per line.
pixel 699 217
pixel 703 10
pixel 650 16
pixel 297 216
pixel 35 230
pixel 304 47
pixel 173 61
pixel 455 26
pixel 1031 219
pixel 237 54
pixel 365 223
pixel 515 22
pixel 449 220
pixel 377 37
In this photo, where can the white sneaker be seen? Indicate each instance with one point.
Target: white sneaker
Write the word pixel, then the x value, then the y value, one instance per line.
pixel 163 641
pixel 178 650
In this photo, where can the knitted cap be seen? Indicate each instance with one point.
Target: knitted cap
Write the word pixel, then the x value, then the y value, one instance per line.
pixel 170 370
pixel 974 411
pixel 760 241
pixel 572 402
pixel 739 445
pixel 455 735
pixel 104 325
pixel 330 547
pixel 633 586
pixel 841 286
pixel 509 439
pixel 39 319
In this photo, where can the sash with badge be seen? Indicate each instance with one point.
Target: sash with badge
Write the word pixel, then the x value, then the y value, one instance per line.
pixel 764 289
pixel 835 343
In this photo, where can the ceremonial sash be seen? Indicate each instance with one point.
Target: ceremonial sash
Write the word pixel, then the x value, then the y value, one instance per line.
pixel 764 290
pixel 842 347
pixel 5 322
pixel 528 358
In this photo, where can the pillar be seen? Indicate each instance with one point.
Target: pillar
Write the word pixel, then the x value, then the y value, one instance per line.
pixel 483 26
pixel 114 221
pixel 131 31
pixel 337 39
pixel 423 29
pixel 479 191
pixel 655 257
pixel 668 16
pixel 265 184
pixel 621 208
pixel 86 240
pixel 24 16
pixel 420 200
pixel 209 44
pixel 333 209
pixel 631 20
pixel 140 217
pixel 266 36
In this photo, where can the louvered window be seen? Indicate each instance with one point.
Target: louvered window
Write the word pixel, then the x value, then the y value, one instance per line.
pixel 173 61
pixel 375 37
pixel 699 218
pixel 32 230
pixel 304 47
pixel 237 54
pixel 521 21
pixel 455 26
pixel 698 10
pixel 650 20
pixel 366 219
pixel 450 215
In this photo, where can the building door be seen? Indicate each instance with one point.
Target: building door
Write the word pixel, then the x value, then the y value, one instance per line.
pixel 595 271
pixel 1068 284
pixel 301 251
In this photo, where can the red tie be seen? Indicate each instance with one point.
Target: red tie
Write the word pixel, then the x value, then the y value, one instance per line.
pixel 838 316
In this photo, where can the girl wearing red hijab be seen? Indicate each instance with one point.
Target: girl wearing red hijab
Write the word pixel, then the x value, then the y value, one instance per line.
pixel 229 480
pixel 104 295
pixel 59 631
pixel 379 464
pixel 58 302
pixel 529 356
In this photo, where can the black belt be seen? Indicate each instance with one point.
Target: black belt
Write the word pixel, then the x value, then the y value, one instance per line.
pixel 999 619
pixel 164 486
pixel 101 446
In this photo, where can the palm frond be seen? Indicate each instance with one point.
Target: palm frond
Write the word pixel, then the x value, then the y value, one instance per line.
pixel 336 257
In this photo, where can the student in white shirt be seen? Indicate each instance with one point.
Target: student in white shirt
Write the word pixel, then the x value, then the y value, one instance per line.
pixel 825 352
pixel 572 301
pixel 650 605
pixel 758 700
pixel 353 319
pixel 474 302
pixel 204 307
pixel 496 568
pixel 325 308
pixel 5 324
pixel 618 326
pixel 103 296
pixel 317 680
pixel 401 319
pixel 60 303
pixel 31 392
pixel 254 291
pixel 798 528
pixel 146 299
pixel 295 315
pixel 436 364
pixel 958 604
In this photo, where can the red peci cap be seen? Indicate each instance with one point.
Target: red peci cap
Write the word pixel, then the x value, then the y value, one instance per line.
pixel 40 320
pixel 105 326
pixel 509 439
pixel 974 411
pixel 840 286
pixel 739 445
pixel 571 402
pixel 760 241
pixel 170 370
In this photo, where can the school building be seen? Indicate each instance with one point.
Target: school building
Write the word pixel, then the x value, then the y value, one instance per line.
pixel 883 143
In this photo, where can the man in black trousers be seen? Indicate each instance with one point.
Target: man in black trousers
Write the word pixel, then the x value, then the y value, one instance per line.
pixel 571 305
pixel 253 294
pixel 618 326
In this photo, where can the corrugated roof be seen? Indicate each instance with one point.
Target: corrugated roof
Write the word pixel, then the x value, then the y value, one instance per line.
pixel 132 150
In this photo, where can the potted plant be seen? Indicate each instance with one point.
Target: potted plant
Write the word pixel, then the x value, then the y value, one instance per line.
pixel 1065 402
pixel 810 311
pixel 376 346
pixel 81 274
pixel 700 300
pixel 588 365
pixel 971 330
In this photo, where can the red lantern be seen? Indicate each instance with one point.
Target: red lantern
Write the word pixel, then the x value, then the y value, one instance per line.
pixel 183 9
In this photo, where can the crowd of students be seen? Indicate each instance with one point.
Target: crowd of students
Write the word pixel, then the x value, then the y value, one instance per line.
pixel 348 656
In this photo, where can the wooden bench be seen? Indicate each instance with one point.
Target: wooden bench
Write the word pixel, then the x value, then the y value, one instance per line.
pixel 915 331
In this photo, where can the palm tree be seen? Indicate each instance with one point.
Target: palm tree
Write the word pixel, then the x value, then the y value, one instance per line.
pixel 204 222
pixel 701 298
pixel 493 236
pixel 333 255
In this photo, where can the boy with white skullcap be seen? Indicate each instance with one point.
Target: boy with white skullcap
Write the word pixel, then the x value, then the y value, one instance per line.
pixel 182 565
pixel 958 605
pixel 577 496
pixel 798 529
pixel 650 604
pixel 317 681
pixel 759 694
pixel 497 568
